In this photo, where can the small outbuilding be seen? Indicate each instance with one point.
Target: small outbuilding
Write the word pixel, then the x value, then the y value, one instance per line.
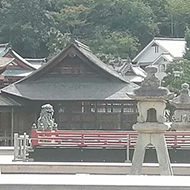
pixel 160 52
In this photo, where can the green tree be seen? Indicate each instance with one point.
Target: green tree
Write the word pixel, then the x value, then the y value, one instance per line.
pixel 74 19
pixel 179 12
pixel 118 28
pixel 57 41
pixel 69 19
pixel 133 17
pixel 118 44
pixel 177 74
pixel 187 38
pixel 162 17
pixel 178 71
pixel 25 25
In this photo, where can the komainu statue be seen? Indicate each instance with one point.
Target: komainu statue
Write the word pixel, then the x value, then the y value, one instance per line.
pixel 46 120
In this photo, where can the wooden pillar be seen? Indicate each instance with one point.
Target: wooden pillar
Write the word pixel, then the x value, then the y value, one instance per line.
pixel 12 126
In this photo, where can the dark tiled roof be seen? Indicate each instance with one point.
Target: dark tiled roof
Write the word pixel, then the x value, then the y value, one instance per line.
pixel 21 59
pixel 70 88
pixel 16 72
pixel 36 62
pixel 4 48
pixel 108 85
pixel 4 62
pixel 101 64
pixel 5 101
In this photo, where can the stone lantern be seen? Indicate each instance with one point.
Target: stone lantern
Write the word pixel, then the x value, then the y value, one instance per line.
pixel 181 117
pixel 151 124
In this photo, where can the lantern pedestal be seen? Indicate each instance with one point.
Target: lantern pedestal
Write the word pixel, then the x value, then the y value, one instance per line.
pixel 151 134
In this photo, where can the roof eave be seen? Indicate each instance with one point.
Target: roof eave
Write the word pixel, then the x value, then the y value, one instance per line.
pixel 142 51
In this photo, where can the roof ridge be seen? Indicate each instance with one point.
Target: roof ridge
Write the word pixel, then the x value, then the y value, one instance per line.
pixel 4 45
pixel 35 59
pixel 103 65
pixel 167 38
pixel 23 59
pixel 81 45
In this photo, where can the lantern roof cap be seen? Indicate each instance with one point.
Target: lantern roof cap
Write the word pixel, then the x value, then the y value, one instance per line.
pixel 151 88
pixel 183 100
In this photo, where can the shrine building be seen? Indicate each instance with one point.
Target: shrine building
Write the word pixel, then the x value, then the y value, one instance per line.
pixel 86 95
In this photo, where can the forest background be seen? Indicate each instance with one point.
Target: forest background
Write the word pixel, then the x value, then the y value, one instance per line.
pixel 114 29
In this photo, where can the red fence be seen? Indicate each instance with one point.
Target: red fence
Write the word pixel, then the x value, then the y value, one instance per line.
pixel 101 138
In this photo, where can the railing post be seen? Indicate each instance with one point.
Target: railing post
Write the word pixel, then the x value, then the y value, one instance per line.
pixel 34 137
pixel 24 146
pixel 175 140
pixel 82 140
pixel 20 147
pixel 127 149
pixel 16 146
pixel 12 126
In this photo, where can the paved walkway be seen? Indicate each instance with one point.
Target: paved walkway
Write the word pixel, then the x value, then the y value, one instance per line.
pixel 93 182
pixel 88 181
pixel 6 159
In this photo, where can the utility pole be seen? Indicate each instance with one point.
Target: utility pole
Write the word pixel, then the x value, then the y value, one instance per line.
pixel 172 26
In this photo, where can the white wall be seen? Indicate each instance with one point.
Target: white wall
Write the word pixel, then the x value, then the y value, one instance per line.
pixel 149 55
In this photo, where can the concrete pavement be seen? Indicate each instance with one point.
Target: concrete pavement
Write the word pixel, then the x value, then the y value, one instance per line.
pixel 83 180
pixel 93 182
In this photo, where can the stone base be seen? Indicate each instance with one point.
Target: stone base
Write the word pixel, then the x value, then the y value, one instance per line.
pixel 158 141
pixel 180 126
pixel 150 127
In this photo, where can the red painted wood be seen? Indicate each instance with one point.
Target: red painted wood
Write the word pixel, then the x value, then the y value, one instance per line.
pixel 101 138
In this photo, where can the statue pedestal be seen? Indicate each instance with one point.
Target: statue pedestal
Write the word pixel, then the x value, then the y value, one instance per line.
pixel 151 133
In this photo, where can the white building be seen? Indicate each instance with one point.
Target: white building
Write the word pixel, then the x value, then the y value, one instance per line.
pixel 159 52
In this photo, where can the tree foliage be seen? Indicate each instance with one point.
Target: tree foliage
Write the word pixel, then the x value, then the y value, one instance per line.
pixel 25 24
pixel 178 71
pixel 160 9
pixel 57 41
pixel 177 74
pixel 179 12
pixel 187 39
pixel 119 28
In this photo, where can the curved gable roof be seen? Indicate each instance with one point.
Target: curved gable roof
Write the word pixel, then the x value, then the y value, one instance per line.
pixel 23 62
pixel 39 86
pixel 7 101
pixel 3 49
pixel 84 53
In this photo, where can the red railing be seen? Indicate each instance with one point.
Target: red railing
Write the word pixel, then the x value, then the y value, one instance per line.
pixel 101 138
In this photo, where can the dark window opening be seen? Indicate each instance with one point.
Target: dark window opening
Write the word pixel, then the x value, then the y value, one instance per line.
pixel 151 115
pixel 156 48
